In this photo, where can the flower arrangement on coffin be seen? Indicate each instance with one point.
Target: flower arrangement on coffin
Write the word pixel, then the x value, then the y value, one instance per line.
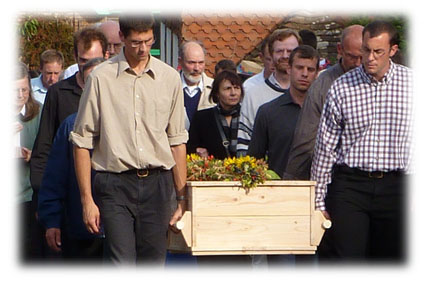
pixel 248 170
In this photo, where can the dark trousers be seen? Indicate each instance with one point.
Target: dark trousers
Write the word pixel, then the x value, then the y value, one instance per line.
pixel 82 250
pixel 27 223
pixel 367 214
pixel 33 247
pixel 135 212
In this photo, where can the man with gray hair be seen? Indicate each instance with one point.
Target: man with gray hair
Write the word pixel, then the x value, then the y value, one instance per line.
pixel 196 84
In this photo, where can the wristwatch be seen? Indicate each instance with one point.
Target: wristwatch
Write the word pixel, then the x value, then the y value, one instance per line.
pixel 180 198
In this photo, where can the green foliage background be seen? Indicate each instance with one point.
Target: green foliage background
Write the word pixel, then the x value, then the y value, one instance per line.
pixel 37 34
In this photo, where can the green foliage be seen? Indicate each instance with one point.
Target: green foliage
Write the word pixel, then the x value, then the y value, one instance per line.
pixel 29 28
pixel 39 34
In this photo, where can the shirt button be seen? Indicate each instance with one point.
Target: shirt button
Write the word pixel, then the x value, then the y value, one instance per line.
pixel 140 149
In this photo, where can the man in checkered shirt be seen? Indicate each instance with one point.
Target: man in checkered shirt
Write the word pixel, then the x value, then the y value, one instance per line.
pixel 363 154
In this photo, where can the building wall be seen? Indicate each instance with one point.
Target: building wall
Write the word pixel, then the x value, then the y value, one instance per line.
pixel 327 29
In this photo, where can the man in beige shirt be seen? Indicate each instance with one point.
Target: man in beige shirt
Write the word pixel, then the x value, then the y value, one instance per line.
pixel 132 115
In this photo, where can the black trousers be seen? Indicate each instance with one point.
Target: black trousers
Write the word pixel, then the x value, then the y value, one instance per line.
pixel 135 212
pixel 368 215
pixel 82 250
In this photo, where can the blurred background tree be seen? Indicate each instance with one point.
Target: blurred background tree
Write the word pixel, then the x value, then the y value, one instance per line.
pixel 37 34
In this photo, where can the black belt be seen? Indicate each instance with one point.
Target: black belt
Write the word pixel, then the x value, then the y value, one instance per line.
pixel 142 173
pixel 369 174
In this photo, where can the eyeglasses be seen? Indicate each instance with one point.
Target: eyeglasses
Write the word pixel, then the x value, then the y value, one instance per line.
pixel 24 90
pixel 351 56
pixel 376 53
pixel 114 46
pixel 138 43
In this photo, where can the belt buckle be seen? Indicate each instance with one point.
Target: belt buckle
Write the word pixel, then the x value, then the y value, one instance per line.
pixel 141 173
pixel 375 174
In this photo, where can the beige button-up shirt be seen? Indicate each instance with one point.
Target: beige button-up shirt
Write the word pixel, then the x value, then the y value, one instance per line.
pixel 130 120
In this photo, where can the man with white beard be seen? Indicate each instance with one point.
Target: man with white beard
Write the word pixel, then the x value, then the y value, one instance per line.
pixel 196 84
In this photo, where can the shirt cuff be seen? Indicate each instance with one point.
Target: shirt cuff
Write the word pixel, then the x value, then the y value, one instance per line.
pixel 80 141
pixel 320 205
pixel 178 139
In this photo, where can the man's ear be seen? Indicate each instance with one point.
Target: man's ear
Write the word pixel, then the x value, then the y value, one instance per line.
pixel 393 50
pixel 339 48
pixel 288 69
pixel 121 35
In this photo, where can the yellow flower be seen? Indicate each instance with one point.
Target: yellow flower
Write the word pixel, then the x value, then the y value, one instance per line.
pixel 229 161
pixel 247 159
pixel 192 157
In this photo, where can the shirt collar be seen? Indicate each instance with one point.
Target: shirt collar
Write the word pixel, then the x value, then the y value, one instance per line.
pixel 123 65
pixel 23 110
pixel 386 78
pixel 286 99
pixel 37 84
pixel 184 84
pixel 274 81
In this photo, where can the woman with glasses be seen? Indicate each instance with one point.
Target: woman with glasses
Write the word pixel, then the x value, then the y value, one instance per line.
pixel 27 113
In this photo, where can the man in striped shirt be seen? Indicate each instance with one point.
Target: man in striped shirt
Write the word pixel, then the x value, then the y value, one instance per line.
pixel 363 153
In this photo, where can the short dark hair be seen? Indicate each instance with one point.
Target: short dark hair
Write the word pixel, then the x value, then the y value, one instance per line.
pixel 87 36
pixel 51 56
pixel 304 52
pixel 378 27
pixel 138 23
pixel 308 38
pixel 224 75
pixel 225 64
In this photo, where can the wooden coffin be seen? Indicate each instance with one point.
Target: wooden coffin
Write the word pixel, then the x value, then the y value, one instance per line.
pixel 277 217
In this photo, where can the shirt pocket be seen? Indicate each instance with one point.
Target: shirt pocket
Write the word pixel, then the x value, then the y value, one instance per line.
pixel 162 108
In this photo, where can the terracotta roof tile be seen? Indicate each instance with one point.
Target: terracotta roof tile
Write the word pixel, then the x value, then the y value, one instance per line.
pixel 208 27
pixel 230 36
pixel 193 28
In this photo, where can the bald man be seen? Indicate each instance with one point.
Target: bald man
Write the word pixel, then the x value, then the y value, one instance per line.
pixel 111 31
pixel 196 84
pixel 300 156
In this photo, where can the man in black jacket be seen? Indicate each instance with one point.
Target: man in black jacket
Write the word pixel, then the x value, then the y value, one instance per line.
pixel 62 100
